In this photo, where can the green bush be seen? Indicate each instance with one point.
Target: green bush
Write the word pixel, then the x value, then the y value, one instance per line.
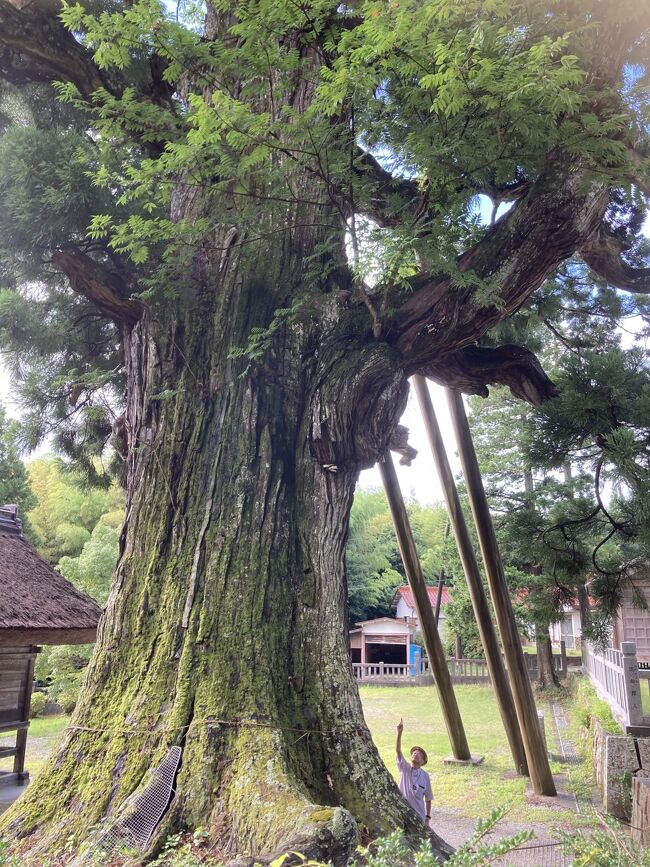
pixel 60 670
pixel 609 847
pixel 37 707
pixel 391 851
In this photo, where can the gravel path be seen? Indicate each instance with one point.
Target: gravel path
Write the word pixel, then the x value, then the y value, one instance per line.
pixel 457 829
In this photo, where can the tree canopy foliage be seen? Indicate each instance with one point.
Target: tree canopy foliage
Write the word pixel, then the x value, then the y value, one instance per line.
pixel 67 510
pixel 76 527
pixel 374 565
pixel 570 480
pixel 409 111
pixel 14 484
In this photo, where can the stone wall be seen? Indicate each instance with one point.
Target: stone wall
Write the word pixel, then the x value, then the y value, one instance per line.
pixel 641 811
pixel 619 760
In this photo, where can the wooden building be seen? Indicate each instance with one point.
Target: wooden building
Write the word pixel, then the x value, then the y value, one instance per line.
pixel 381 640
pixel 632 621
pixel 37 606
pixel 403 604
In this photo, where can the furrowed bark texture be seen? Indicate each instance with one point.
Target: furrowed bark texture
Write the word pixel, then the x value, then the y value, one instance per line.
pixel 224 631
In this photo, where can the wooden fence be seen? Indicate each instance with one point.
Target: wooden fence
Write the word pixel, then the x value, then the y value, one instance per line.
pixel 616 676
pixel 460 670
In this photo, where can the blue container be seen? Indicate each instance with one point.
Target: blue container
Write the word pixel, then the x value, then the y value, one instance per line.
pixel 415 659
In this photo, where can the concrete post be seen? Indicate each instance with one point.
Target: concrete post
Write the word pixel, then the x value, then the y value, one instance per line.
pixel 542 726
pixel 632 685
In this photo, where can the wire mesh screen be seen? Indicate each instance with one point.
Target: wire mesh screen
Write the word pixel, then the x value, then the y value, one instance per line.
pixel 530 855
pixel 139 816
pixel 152 803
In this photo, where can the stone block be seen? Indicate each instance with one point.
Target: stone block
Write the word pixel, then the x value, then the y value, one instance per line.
pixel 641 811
pixel 620 765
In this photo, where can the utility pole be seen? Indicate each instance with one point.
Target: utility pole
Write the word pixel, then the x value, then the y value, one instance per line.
pixel 477 593
pixel 540 771
pixel 432 643
pixel 441 584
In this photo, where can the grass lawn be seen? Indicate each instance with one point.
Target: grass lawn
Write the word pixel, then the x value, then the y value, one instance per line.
pixel 645 695
pixel 43 736
pixel 474 791
pixel 571 651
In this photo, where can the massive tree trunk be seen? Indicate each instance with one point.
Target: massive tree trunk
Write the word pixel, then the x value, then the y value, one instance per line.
pixel 224 631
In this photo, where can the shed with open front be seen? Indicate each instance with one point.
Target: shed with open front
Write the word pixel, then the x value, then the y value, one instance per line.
pixel 37 606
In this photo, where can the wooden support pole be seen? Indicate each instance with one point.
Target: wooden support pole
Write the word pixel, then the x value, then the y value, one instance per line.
pixel 477 593
pixel 540 771
pixel 21 735
pixel 432 643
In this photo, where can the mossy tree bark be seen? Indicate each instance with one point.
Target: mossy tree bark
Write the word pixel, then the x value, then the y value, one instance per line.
pixel 224 630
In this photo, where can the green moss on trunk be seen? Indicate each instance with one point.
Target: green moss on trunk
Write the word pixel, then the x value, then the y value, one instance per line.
pixel 225 628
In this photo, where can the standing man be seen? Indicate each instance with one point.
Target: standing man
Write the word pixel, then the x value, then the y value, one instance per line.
pixel 414 782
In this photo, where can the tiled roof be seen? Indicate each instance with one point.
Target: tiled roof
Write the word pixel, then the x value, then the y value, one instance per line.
pixel 407 595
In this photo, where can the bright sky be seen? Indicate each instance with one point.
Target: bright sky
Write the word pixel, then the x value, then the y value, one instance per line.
pixel 5 394
pixel 420 480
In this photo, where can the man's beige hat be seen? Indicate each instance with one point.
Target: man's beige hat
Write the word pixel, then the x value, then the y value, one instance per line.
pixel 426 757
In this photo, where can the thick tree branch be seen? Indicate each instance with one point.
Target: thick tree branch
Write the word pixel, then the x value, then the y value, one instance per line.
pixel 500 193
pixel 106 289
pixel 473 368
pixel 395 200
pixel 603 252
pixel 35 46
pixel 513 258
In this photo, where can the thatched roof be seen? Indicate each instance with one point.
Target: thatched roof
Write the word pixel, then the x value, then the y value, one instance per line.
pixel 37 605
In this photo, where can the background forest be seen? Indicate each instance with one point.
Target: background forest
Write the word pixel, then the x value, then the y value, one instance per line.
pixel 76 527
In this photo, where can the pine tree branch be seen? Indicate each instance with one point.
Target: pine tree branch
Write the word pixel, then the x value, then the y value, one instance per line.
pixel 108 290
pixel 603 252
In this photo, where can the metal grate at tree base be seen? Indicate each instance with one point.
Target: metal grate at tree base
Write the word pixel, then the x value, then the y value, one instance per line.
pixel 139 816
